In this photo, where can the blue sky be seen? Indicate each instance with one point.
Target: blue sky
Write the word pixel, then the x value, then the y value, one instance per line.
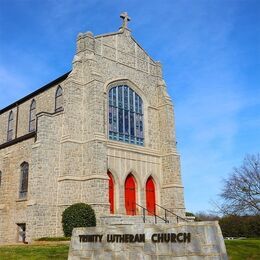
pixel 210 50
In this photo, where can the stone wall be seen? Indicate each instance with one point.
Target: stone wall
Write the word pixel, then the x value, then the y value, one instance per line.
pixel 13 210
pixel 43 211
pixel 185 241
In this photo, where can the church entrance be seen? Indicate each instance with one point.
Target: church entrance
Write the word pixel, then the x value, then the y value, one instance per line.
pixel 150 196
pixel 130 195
pixel 111 192
pixel 21 230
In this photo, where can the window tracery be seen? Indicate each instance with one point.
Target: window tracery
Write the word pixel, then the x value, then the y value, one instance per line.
pixel 125 115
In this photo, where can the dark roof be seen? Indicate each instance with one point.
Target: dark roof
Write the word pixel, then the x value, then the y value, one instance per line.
pixel 35 93
pixel 18 140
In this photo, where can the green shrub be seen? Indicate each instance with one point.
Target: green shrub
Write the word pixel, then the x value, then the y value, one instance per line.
pixel 189 214
pixel 77 215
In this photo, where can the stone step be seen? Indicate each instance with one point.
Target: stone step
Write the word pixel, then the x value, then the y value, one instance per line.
pixel 131 220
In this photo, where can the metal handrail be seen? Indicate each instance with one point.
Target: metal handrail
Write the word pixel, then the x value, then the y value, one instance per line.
pixel 152 213
pixel 166 210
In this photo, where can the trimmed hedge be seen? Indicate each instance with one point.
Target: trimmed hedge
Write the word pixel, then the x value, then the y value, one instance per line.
pixel 240 226
pixel 77 215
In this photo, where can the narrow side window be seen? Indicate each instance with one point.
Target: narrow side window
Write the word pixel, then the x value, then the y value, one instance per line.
pixel 10 126
pixel 32 116
pixel 24 180
pixel 59 99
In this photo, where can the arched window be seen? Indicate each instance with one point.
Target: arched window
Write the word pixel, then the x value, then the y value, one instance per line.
pixel 150 196
pixel 125 115
pixel 24 180
pixel 0 178
pixel 32 116
pixel 130 195
pixel 58 99
pixel 111 191
pixel 10 126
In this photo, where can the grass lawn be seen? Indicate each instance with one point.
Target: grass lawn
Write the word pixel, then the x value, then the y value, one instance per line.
pixel 41 251
pixel 247 249
pixel 237 250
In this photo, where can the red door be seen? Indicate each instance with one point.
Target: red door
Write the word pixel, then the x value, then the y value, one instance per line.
pixel 150 196
pixel 111 192
pixel 130 197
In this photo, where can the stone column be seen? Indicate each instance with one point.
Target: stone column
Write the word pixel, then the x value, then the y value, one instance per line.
pixel 94 151
pixel 172 190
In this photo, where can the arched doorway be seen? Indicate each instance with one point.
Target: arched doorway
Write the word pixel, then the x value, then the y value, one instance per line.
pixel 111 192
pixel 130 195
pixel 150 196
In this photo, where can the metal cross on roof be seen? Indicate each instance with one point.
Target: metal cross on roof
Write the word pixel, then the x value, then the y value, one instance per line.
pixel 125 18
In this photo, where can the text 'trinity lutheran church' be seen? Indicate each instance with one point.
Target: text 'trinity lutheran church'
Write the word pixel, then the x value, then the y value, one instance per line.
pixel 102 134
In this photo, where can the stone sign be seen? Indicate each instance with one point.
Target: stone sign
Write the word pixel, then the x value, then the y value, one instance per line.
pixel 197 240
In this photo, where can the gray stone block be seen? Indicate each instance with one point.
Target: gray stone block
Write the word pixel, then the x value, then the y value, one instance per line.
pixel 203 241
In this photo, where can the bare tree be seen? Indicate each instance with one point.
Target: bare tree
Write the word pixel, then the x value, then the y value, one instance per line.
pixel 241 192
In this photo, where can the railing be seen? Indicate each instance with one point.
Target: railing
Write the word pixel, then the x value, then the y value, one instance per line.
pixel 165 214
pixel 152 213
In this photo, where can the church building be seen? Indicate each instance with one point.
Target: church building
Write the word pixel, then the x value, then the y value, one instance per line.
pixel 101 134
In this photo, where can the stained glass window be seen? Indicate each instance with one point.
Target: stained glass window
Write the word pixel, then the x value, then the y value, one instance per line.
pixel 125 115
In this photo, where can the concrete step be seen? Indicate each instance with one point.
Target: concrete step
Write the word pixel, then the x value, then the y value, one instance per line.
pixel 130 220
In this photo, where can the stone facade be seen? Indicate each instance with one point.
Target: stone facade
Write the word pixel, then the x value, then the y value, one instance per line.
pixel 70 152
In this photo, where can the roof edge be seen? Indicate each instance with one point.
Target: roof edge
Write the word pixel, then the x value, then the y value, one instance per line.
pixel 36 92
pixel 18 140
pixel 107 34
